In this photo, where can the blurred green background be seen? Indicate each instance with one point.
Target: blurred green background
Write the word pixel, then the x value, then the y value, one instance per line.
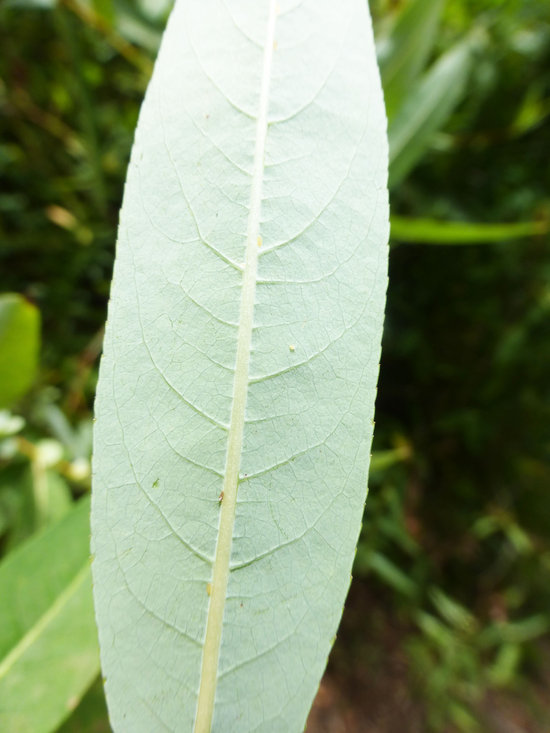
pixel 447 624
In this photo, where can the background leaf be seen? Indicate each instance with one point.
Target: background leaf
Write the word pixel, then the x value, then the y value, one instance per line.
pixel 426 108
pixel 47 626
pixel 430 231
pixel 404 48
pixel 91 715
pixel 19 344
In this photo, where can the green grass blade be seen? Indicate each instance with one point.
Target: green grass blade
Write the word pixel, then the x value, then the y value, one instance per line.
pixel 431 231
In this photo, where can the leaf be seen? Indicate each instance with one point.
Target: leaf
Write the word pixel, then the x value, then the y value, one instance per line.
pixel 139 26
pixel 403 52
pixel 19 344
pixel 48 642
pixel 91 715
pixel 241 352
pixel 427 108
pixel 390 573
pixel 431 231
pixel 36 497
pixel 452 612
pixel 52 496
pixel 382 460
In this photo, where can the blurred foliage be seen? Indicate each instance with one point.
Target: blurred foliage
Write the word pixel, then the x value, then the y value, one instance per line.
pixel 19 336
pixel 48 641
pixel 456 540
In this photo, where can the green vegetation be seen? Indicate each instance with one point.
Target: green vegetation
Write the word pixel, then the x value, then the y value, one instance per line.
pixel 453 565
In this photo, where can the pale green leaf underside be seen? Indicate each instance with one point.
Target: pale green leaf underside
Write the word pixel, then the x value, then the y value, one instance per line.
pixel 242 350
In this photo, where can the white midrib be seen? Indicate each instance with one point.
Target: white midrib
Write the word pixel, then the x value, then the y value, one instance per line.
pixel 220 575
pixel 34 633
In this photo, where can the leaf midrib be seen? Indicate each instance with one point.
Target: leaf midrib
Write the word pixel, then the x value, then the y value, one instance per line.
pixel 220 574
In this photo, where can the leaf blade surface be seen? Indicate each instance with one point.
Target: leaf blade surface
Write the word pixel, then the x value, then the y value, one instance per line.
pixel 247 301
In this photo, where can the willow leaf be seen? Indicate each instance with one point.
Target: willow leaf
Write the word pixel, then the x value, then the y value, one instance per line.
pixel 236 391
pixel 427 107
pixel 48 641
pixel 403 51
